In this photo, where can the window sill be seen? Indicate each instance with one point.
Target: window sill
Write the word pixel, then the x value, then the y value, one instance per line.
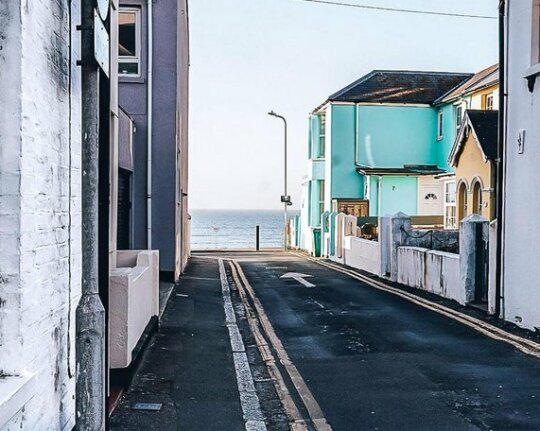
pixel 126 79
pixel 531 74
pixel 15 392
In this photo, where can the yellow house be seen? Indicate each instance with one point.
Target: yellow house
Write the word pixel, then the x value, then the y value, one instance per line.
pixel 473 155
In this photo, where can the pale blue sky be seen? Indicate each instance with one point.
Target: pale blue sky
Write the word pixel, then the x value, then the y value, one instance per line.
pixel 251 56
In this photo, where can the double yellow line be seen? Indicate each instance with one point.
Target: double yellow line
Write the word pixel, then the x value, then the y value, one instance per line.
pixel 268 341
pixel 523 344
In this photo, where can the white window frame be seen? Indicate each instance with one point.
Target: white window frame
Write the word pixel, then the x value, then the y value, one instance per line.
pixel 459 115
pixel 535 33
pixel 450 208
pixel 440 125
pixel 321 195
pixel 322 136
pixel 489 102
pixel 136 59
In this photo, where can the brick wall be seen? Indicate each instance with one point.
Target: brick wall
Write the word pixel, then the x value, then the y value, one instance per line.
pixel 40 211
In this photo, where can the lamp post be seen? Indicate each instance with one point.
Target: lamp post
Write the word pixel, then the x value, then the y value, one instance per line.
pixel 286 199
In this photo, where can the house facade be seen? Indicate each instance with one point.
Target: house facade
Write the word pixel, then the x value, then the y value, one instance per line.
pixel 480 92
pixel 473 156
pixel 373 149
pixel 153 63
pixel 519 292
pixel 64 148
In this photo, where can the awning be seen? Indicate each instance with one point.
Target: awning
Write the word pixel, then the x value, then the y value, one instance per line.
pixel 405 170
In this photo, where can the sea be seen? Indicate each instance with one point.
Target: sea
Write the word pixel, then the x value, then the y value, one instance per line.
pixel 235 229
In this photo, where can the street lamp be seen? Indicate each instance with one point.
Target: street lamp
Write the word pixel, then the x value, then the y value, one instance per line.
pixel 285 198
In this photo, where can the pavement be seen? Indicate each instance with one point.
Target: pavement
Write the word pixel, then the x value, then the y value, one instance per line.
pixel 350 356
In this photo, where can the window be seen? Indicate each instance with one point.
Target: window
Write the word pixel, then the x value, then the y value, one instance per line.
pixel 450 221
pixel 489 102
pixel 459 116
pixel 477 198
pixel 322 136
pixel 129 42
pixel 535 45
pixel 321 196
pixel 440 125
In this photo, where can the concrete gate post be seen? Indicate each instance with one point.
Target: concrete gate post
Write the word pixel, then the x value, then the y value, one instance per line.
pixel 398 223
pixel 473 241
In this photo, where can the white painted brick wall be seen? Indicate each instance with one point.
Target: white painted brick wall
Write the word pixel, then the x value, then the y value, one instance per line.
pixel 40 209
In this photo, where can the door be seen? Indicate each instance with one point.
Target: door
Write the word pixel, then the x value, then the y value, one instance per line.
pixel 430 197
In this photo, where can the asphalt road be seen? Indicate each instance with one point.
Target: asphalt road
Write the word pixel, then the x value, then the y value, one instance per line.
pixel 375 361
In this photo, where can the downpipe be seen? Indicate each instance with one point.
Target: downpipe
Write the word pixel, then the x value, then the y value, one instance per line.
pixel 500 161
pixel 149 104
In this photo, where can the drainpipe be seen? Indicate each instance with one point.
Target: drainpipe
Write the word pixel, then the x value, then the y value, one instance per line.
pixel 500 159
pixel 90 314
pixel 149 128
pixel 379 195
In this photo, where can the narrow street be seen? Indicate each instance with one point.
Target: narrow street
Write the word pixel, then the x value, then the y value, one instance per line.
pixel 339 355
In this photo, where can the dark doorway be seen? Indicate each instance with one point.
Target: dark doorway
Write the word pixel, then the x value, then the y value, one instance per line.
pixel 124 209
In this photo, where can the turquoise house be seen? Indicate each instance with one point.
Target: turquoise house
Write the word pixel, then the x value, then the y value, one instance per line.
pixel 374 147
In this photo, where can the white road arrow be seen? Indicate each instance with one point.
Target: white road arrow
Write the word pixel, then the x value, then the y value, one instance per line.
pixel 298 277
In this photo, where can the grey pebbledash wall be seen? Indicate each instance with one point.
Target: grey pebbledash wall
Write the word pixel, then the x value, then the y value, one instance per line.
pixel 40 211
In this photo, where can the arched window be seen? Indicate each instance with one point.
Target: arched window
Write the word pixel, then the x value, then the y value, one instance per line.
pixel 477 198
pixel 462 201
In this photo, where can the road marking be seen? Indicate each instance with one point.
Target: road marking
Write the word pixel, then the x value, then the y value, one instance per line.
pixel 251 407
pixel 295 418
pixel 298 277
pixel 524 345
pixel 311 404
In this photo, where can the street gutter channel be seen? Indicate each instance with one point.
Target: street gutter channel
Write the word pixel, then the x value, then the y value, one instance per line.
pixel 496 330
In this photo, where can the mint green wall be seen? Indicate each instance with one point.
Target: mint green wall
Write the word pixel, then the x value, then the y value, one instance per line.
pixel 373 195
pixel 444 145
pixel 392 136
pixel 399 194
pixel 318 167
pixel 345 182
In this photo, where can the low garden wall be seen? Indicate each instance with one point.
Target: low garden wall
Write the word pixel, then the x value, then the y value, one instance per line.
pixel 431 270
pixel 362 254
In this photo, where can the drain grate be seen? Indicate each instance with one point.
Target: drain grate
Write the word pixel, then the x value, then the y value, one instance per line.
pixel 150 407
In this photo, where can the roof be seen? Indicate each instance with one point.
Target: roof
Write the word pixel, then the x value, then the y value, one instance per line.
pixel 484 78
pixel 484 127
pixel 387 86
pixel 405 170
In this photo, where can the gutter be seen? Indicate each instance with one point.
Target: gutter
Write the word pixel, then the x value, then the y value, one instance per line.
pixel 500 160
pixel 149 128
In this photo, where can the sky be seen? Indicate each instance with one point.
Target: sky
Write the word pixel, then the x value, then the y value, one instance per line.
pixel 251 56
